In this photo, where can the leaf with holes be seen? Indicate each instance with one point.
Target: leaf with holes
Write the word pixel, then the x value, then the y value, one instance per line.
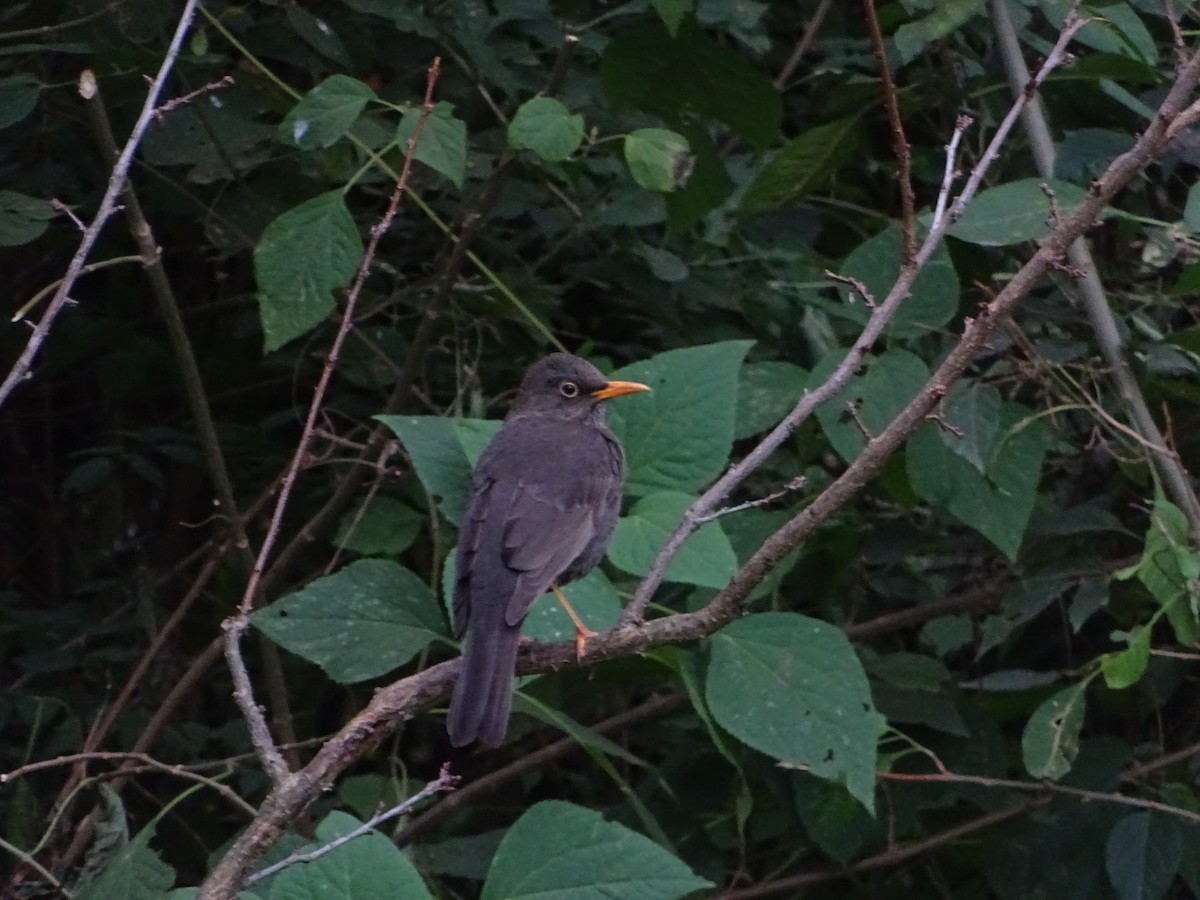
pixel 793 687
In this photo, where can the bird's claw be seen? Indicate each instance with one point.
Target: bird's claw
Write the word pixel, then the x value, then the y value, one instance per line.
pixel 581 638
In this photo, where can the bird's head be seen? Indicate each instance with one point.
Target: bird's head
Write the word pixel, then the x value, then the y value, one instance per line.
pixel 566 385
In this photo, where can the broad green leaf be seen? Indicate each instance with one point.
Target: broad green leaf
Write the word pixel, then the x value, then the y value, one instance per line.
pixel 384 528
pixel 443 453
pixel 1191 210
pixel 18 96
pixel 996 504
pixel 367 867
pixel 1126 667
pixel 557 849
pixel 1114 28
pixel 947 16
pixel 767 391
pixel 302 256
pixel 876 263
pixel 443 142
pixel 672 12
pixel 664 265
pixel 645 68
pixel 1050 741
pixel 887 385
pixel 972 410
pixel 318 34
pixel 705 558
pixel 1015 212
pixel 792 687
pixel 22 218
pixel 805 164
pixel 546 127
pixel 1169 569
pixel 325 113
pixel 835 821
pixel 678 436
pixel 132 870
pixel 358 623
pixel 1142 855
pixel 659 160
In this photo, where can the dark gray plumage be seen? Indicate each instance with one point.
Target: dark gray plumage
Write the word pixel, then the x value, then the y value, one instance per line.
pixel 543 506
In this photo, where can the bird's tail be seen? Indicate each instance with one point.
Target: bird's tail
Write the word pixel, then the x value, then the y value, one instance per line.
pixel 482 699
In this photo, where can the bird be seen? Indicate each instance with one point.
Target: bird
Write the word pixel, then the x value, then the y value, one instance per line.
pixel 542 509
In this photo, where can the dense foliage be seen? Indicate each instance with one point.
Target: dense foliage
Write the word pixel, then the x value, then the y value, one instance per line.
pixel 977 678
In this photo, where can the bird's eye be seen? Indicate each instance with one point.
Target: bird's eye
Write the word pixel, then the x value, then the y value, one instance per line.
pixel 569 389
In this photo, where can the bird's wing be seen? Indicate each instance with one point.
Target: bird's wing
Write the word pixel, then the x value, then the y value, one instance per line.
pixel 470 538
pixel 546 527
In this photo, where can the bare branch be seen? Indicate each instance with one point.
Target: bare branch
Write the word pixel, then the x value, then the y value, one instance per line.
pixel 444 782
pixel 116 183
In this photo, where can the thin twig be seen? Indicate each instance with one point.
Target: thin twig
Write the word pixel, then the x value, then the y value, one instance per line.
pixel 794 485
pixel 900 146
pixel 444 782
pixel 806 39
pixel 961 124
pixel 161 112
pixel 116 183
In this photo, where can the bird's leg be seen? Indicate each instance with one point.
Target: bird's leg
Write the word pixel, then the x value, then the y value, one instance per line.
pixel 582 632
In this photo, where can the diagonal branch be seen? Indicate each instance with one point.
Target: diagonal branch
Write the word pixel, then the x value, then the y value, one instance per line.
pixel 840 377
pixel 108 204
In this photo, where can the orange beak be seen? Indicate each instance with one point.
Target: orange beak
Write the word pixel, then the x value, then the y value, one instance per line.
pixel 619 389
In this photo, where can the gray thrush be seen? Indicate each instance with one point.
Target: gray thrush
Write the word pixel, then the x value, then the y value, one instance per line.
pixel 543 506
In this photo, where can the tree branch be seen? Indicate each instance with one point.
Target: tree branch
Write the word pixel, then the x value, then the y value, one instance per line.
pixel 116 183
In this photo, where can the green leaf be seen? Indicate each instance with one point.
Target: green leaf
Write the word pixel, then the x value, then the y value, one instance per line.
pixel 133 871
pixel 1191 210
pixel 443 453
pixel 805 164
pixel 360 622
pixel 325 113
pixel 1015 212
pixel 1142 855
pixel 302 256
pixel 793 688
pixel 659 160
pixel 1169 569
pixel 367 867
pixel 22 218
pixel 706 558
pixel 1125 668
pixel 996 504
pixel 1050 741
pixel 546 127
pixel 1114 28
pixel 384 528
pixel 946 17
pixel 318 34
pixel 646 68
pixel 888 384
pixel 443 143
pixel 972 409
pixel 834 820
pixel 557 849
pixel 767 391
pixel 876 262
pixel 678 436
pixel 18 97
pixel 672 12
